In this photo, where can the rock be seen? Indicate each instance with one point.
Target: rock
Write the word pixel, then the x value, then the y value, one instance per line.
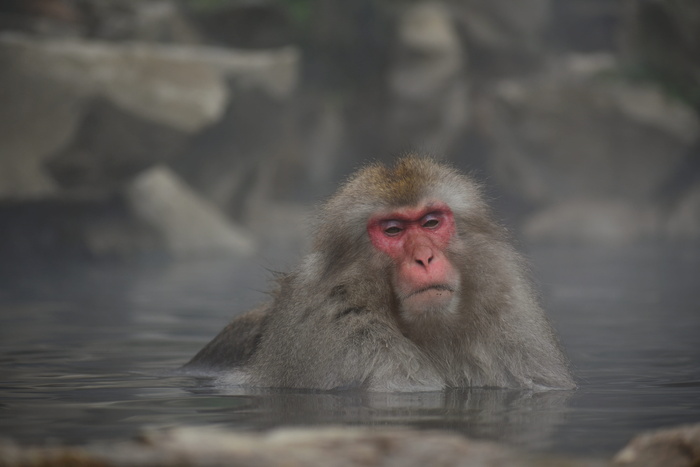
pixel 69 228
pixel 593 220
pixel 673 447
pixel 575 131
pixel 585 25
pixel 503 37
pixel 328 447
pixel 247 25
pixel 430 107
pixel 143 20
pixel 36 117
pixel 110 147
pixel 661 43
pixel 188 225
pixel 45 85
pixel 137 20
pixel 245 159
pixel 181 86
pixel 155 214
pixel 47 17
pixel 170 85
pixel 684 220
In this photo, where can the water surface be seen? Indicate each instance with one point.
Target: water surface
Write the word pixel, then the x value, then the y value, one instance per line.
pixel 86 353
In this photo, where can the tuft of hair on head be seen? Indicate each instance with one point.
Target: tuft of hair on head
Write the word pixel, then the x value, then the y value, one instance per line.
pixel 403 183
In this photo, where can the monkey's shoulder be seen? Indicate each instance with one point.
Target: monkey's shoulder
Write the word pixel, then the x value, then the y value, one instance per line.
pixel 236 343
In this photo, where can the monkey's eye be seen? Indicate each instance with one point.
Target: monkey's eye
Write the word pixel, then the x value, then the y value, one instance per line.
pixel 392 228
pixel 431 221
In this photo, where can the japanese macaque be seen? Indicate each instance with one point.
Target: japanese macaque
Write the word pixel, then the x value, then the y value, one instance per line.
pixel 410 286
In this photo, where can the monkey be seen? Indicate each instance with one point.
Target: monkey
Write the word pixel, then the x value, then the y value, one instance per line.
pixel 410 285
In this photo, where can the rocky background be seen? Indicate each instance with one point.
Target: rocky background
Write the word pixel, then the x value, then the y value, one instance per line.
pixel 340 447
pixel 196 127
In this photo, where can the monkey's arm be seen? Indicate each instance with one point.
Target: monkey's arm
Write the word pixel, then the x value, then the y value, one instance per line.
pixel 235 344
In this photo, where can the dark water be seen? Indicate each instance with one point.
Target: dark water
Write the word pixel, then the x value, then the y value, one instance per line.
pixel 85 353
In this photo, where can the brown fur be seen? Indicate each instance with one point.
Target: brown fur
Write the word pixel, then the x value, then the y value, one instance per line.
pixel 335 323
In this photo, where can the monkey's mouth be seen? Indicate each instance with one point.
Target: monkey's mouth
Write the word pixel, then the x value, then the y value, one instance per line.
pixel 434 287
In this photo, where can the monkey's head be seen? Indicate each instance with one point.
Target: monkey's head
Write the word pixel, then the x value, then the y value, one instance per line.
pixel 408 224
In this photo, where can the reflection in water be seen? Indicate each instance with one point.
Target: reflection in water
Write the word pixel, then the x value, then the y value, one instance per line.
pixel 520 417
pixel 88 352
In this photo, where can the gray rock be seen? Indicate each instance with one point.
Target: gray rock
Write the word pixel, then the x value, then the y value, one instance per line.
pixel 684 219
pixel 142 20
pixel 661 42
pixel 573 131
pixel 73 228
pixel 177 86
pixel 154 214
pixel 585 25
pixel 673 447
pixel 503 36
pixel 58 18
pixel 188 224
pixel 598 220
pixel 430 108
pixel 246 158
pixel 257 24
pixel 110 147
pixel 46 84
pixel 328 447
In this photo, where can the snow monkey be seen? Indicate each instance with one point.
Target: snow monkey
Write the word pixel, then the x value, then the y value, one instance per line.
pixel 410 286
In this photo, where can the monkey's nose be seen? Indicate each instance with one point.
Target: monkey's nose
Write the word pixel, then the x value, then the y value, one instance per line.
pixel 423 256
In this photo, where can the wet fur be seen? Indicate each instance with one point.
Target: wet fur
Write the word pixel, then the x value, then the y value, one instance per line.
pixel 335 321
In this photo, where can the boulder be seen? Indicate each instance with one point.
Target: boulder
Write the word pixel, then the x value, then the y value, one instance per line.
pixel 176 85
pixel 154 214
pixel 595 220
pixel 430 105
pixel 187 223
pixel 328 447
pixel 575 130
pixel 39 231
pixel 47 85
pixel 684 218
pixel 46 17
pixel 137 20
pixel 661 43
pixel 246 25
pixel 246 158
pixel 585 25
pixel 672 447
pixel 111 146
pixel 502 37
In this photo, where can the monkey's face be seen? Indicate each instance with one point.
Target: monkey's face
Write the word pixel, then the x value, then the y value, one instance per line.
pixel 416 239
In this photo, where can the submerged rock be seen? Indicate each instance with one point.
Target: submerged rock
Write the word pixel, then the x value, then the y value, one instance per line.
pixel 339 446
pixel 328 447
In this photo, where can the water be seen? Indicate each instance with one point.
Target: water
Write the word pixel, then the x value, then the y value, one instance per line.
pixel 86 353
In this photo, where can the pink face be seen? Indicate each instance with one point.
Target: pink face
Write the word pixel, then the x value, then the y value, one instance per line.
pixel 416 239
